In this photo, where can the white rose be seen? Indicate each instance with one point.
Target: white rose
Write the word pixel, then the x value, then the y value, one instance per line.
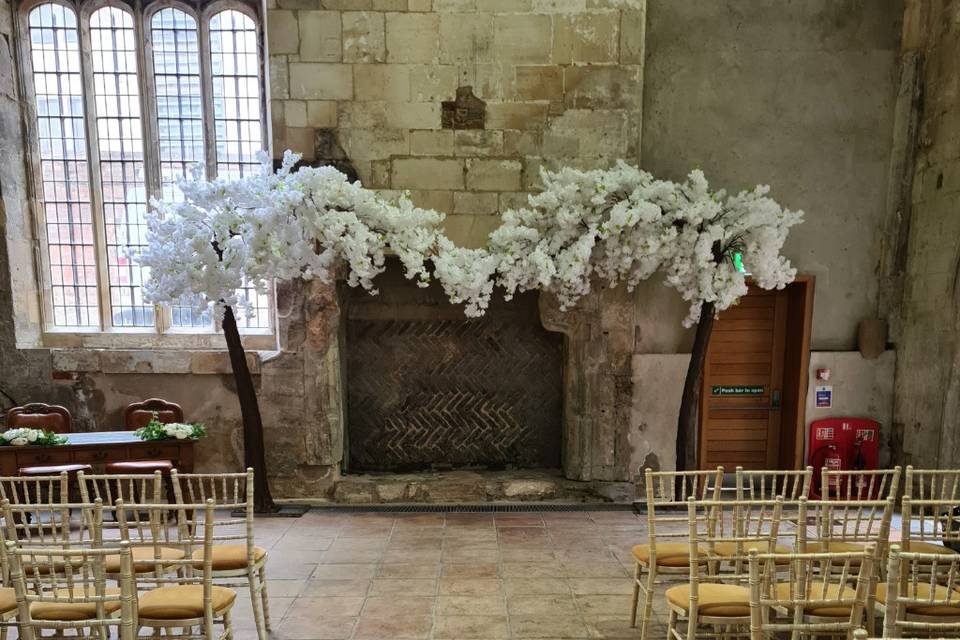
pixel 32 435
pixel 170 429
pixel 18 442
pixel 181 434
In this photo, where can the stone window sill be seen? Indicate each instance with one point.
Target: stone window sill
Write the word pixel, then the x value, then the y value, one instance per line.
pixel 67 363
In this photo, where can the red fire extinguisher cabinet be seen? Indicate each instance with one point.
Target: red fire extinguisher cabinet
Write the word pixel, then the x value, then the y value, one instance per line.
pixel 841 443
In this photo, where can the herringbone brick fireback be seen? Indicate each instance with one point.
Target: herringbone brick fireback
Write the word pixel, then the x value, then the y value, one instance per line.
pixel 428 387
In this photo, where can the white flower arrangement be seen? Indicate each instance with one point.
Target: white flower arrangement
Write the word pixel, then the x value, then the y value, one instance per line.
pixel 156 430
pixel 615 225
pixel 22 437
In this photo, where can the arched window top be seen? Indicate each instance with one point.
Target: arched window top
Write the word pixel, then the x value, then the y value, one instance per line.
pixel 127 96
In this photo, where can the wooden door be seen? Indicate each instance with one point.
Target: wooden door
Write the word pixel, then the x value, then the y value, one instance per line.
pixel 742 397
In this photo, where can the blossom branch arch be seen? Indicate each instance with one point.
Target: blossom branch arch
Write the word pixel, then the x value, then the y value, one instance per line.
pixel 610 226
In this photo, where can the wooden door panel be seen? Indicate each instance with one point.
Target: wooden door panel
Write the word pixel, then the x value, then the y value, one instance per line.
pixel 740 423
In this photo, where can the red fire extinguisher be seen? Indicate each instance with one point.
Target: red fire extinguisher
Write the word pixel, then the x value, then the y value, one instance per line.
pixel 826 456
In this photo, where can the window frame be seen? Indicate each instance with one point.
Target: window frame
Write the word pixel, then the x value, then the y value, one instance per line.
pixel 162 334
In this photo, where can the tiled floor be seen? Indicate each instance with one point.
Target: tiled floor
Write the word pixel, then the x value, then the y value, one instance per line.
pixel 449 576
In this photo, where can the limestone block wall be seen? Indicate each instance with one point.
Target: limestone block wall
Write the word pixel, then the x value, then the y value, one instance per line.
pixel 562 81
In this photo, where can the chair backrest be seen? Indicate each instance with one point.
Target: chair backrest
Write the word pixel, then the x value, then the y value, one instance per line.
pixel 146 488
pixel 34 489
pixel 138 414
pixel 765 485
pixel 922 594
pixel 932 484
pixel 147 526
pixel 48 525
pixel 934 521
pixel 667 493
pixel 859 484
pixel 63 578
pixel 38 415
pixel 851 521
pixel 835 585
pixel 726 530
pixel 230 493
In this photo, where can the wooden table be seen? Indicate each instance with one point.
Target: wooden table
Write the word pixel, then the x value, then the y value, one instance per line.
pixel 98 448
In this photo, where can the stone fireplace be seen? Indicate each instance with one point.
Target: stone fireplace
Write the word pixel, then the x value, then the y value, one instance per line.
pixel 540 387
pixel 428 388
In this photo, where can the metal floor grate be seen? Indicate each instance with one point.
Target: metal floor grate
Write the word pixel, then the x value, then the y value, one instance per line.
pixel 475 508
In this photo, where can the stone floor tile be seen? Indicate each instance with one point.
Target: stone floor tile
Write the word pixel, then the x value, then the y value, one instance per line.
pixel 351 556
pixel 603 605
pixel 318 588
pixel 588 569
pixel 548 626
pixel 457 627
pixel 392 605
pixel 600 586
pixel 535 587
pixel 532 570
pixel 469 570
pixel 549 605
pixel 469 586
pixel 321 607
pixel 408 570
pixel 412 627
pixel 350 571
pixel 471 605
pixel 405 586
pixel 311 628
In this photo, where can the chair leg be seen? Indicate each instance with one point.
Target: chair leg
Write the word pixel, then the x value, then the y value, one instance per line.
pixel 648 603
pixel 671 625
pixel 637 574
pixel 227 625
pixel 264 597
pixel 254 581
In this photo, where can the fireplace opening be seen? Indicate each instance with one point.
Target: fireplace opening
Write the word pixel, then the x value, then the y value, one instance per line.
pixel 430 389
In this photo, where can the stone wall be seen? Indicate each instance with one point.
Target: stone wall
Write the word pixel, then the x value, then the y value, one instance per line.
pixel 561 80
pixel 798 95
pixel 928 365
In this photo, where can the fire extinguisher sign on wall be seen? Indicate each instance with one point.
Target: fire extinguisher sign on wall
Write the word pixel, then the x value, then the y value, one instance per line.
pixel 841 444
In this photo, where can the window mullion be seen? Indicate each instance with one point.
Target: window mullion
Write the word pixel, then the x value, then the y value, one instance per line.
pixel 151 144
pixel 206 87
pixel 93 170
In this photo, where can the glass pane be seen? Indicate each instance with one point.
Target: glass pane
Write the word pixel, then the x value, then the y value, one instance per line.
pixel 236 93
pixel 235 64
pixel 120 141
pixel 176 72
pixel 63 164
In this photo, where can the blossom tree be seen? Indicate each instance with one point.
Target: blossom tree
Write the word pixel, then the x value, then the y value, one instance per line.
pixel 613 226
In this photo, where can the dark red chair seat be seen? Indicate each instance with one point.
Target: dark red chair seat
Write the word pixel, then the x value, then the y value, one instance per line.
pixel 54 469
pixel 140 466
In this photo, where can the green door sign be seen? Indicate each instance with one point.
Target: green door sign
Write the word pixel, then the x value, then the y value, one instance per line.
pixel 721 390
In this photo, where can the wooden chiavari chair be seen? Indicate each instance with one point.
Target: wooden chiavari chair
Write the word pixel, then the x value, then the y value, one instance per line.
pixel 859 484
pixel 921 594
pixel 728 530
pixel 60 588
pixel 816 600
pixel 178 593
pixel 35 489
pixel 235 554
pixel 941 485
pixel 792 485
pixel 150 546
pixel 667 550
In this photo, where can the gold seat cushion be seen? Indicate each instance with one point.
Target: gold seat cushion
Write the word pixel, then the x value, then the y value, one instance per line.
pixel 824 608
pixel 8 599
pixel 922 592
pixel 669 554
pixel 729 547
pixel 144 559
pixel 182 602
pixel 230 556
pixel 727 600
pixel 74 610
pixel 836 546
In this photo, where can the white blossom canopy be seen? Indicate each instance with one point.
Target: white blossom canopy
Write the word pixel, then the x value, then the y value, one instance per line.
pixel 612 226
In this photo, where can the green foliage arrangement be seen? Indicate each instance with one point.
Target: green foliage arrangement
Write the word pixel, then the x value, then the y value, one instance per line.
pixel 156 430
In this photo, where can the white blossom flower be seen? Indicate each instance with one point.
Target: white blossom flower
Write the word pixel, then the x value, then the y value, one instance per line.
pixel 611 226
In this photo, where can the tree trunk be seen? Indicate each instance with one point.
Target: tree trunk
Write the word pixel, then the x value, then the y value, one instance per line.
pixel 690 404
pixel 253 451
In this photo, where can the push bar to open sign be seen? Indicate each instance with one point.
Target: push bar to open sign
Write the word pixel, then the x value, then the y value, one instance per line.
pixel 720 390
